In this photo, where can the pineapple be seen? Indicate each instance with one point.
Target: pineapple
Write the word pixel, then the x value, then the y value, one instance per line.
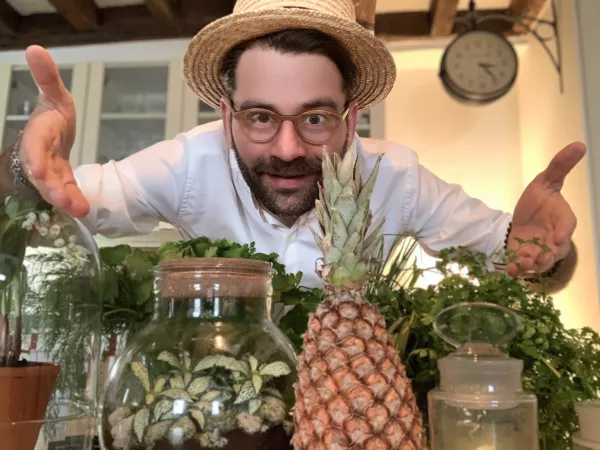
pixel 352 390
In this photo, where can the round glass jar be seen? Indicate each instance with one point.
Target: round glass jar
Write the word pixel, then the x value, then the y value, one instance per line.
pixel 50 328
pixel 480 403
pixel 210 370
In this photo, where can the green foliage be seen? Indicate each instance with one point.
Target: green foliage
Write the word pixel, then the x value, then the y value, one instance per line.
pixel 128 276
pixel 561 366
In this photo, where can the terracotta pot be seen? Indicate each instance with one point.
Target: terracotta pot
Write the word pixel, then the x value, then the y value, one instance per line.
pixel 24 396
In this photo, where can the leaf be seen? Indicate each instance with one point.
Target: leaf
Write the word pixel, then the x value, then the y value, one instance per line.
pixel 143 292
pixel 219 361
pixel 162 407
pixel 185 430
pixel 198 417
pixel 246 393
pixel 176 382
pixel 257 382
pixel 344 173
pixel 140 422
pixel 210 396
pixel 141 373
pixel 276 369
pixel 272 392
pixel 211 252
pixel 253 363
pixel 365 193
pixel 170 358
pixel 198 386
pixel 159 384
pixel 187 361
pixel 156 432
pixel 253 405
pixel 114 255
pixel 338 229
pixel 203 405
pixel 177 394
pixel 187 377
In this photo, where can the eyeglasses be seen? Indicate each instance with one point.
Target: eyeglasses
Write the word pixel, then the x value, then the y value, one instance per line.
pixel 315 127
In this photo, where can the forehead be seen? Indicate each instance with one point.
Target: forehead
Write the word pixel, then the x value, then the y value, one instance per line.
pixel 287 80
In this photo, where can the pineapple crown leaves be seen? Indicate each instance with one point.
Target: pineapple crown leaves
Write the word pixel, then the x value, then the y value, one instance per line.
pixel 344 215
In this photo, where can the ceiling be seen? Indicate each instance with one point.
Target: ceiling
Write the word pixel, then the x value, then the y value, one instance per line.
pixel 54 23
pixel 26 7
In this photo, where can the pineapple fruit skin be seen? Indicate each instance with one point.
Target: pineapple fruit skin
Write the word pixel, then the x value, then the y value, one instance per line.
pixel 352 390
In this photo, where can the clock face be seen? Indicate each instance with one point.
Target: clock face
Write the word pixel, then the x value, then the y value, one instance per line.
pixel 479 65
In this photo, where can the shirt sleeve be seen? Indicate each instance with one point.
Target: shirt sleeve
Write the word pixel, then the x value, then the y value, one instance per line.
pixel 130 196
pixel 442 215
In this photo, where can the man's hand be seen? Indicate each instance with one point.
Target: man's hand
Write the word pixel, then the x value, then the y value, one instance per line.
pixel 48 137
pixel 542 212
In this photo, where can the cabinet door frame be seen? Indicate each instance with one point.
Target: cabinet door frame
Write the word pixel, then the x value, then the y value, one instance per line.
pixel 95 92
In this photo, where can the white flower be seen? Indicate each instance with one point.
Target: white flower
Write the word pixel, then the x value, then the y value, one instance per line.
pixel 72 239
pixel 72 245
pixel 43 231
pixel 54 230
pixel 250 424
pixel 27 225
pixel 31 217
pixel 44 217
pixel 60 242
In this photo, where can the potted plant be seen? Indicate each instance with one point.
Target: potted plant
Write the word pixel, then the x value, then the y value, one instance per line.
pixel 25 387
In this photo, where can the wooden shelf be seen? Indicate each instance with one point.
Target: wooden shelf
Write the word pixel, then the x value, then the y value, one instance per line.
pixel 132 116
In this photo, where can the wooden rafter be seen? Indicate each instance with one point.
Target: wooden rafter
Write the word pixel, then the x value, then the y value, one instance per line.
pixel 118 24
pixel 442 17
pixel 526 8
pixel 9 18
pixel 365 13
pixel 161 9
pixel 81 14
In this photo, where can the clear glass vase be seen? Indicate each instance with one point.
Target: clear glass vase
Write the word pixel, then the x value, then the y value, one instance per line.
pixel 211 370
pixel 50 328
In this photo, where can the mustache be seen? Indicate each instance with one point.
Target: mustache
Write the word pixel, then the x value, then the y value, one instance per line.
pixel 295 168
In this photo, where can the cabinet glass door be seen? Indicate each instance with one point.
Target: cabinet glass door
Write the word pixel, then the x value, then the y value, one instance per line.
pixel 207 113
pixel 22 99
pixel 134 106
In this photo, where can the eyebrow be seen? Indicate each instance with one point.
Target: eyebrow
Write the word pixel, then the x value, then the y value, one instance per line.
pixel 325 102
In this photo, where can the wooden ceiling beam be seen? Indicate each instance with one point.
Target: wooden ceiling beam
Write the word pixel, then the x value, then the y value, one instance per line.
pixel 135 22
pixel 118 24
pixel 365 13
pixel 161 9
pixel 9 18
pixel 81 14
pixel 529 9
pixel 442 13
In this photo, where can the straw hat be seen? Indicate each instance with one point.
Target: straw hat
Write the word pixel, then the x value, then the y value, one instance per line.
pixel 254 18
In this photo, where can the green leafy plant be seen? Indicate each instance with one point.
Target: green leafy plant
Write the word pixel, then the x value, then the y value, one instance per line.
pixel 128 278
pixel 180 401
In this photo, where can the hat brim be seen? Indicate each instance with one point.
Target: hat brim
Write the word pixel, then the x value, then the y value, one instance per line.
pixel 376 70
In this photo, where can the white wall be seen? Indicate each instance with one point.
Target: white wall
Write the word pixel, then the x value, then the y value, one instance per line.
pixel 549 121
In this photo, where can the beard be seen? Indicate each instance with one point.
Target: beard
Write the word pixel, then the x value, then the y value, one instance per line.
pixel 288 203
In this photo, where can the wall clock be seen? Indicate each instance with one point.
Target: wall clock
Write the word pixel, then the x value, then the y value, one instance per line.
pixel 479 67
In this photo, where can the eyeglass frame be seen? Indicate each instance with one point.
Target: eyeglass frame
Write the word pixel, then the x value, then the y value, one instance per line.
pixel 292 118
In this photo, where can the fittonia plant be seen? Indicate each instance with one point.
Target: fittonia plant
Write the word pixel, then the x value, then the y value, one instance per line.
pixel 202 401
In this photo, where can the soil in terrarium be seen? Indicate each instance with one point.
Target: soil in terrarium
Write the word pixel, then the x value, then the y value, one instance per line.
pixel 275 438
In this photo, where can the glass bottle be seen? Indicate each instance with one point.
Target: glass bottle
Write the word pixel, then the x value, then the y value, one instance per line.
pixel 480 404
pixel 210 370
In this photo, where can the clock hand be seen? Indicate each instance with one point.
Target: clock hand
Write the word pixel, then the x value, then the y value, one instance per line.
pixel 486 68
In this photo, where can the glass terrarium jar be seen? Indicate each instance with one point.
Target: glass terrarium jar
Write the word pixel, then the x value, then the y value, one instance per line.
pixel 211 370
pixel 480 403
pixel 50 327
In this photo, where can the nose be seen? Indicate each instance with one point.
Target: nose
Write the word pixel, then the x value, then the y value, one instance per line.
pixel 287 145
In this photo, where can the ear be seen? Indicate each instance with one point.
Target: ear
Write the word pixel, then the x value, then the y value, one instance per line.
pixel 225 112
pixel 352 119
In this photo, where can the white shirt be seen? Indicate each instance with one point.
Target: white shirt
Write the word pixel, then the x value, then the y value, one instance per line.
pixel 194 183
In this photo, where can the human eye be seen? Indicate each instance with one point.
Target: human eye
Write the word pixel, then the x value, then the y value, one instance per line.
pixel 316 119
pixel 259 117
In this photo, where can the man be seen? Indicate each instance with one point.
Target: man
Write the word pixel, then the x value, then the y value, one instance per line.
pixel 289 78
